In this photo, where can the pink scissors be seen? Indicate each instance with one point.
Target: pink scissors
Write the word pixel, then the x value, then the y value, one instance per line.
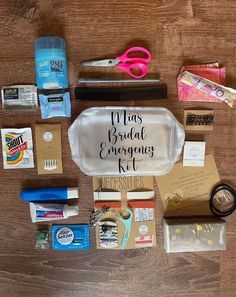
pixel 126 63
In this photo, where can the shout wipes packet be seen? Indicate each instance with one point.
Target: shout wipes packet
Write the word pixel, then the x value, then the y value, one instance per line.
pixel 17 148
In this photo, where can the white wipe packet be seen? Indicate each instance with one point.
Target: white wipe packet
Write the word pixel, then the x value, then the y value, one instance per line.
pixel 17 148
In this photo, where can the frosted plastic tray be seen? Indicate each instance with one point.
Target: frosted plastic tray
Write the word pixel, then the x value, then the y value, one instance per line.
pixel 121 141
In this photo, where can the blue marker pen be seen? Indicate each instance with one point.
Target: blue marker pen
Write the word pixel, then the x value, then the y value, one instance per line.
pixel 49 194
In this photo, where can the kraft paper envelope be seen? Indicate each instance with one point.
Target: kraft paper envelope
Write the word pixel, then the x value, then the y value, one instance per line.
pixel 118 191
pixel 185 191
pixel 48 147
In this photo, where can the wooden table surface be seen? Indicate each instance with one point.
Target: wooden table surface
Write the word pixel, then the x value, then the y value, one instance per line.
pixel 176 32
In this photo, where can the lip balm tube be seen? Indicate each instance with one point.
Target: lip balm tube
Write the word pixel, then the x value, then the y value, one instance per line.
pixel 49 194
pixel 42 212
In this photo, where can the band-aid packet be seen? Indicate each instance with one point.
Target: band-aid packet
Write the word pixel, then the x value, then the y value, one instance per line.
pixel 17 148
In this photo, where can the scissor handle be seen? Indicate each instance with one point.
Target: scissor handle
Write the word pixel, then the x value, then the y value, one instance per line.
pixel 131 69
pixel 124 58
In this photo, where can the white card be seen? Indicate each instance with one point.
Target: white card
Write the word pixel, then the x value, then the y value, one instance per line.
pixel 194 153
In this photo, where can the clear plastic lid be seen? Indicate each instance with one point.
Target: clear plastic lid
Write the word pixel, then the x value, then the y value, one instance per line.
pixel 72 193
pixel 71 210
pixel 49 42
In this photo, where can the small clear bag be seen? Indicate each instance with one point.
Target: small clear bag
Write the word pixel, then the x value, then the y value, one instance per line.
pixel 126 141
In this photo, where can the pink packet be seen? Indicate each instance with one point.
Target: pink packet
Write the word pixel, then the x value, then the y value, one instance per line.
pixel 209 71
pixel 215 74
pixel 208 87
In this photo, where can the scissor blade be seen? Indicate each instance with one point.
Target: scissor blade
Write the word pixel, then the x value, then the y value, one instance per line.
pixel 100 63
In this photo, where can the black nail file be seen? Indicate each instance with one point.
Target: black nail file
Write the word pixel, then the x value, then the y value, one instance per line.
pixel 120 93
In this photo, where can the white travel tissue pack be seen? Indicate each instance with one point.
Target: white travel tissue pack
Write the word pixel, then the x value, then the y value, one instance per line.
pixel 122 141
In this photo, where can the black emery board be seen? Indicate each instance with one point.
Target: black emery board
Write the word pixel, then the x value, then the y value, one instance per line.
pixel 121 93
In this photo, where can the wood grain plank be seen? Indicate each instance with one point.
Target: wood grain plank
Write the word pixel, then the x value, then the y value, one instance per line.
pixel 176 32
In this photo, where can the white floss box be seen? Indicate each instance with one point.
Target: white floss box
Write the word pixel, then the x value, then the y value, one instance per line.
pixel 194 153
